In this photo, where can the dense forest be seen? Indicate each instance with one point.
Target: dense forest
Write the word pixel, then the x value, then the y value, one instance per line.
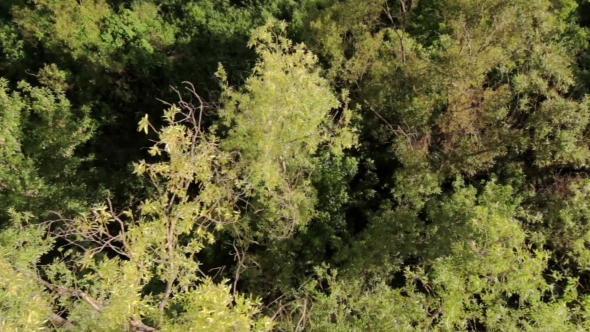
pixel 294 165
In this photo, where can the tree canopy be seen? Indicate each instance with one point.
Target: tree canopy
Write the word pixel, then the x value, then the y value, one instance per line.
pixel 282 165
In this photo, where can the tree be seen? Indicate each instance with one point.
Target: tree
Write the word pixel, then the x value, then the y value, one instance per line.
pixel 488 275
pixel 139 269
pixel 109 277
pixel 425 171
pixel 449 89
pixel 40 133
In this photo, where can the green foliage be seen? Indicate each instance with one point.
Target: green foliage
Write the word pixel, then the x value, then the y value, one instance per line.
pixel 23 304
pixel 39 134
pixel 458 102
pixel 278 124
pixel 105 294
pixel 158 244
pixel 483 276
pixel 92 30
pixel 415 165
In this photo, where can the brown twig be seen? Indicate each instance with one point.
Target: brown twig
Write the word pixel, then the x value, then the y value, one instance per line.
pixel 60 322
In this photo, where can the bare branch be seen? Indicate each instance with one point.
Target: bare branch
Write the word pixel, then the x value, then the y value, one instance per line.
pixel 170 244
pixel 239 257
pixel 139 326
pixel 400 36
pixel 59 322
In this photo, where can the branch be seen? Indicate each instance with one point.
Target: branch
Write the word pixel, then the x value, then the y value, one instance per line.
pixel 58 321
pixel 60 290
pixel 172 276
pixel 140 326
pixel 400 36
pixel 239 258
